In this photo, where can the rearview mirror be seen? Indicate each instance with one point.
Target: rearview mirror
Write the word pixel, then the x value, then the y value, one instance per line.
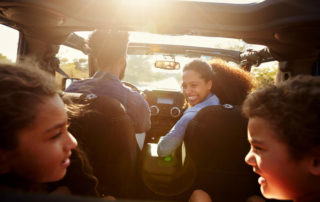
pixel 67 81
pixel 169 65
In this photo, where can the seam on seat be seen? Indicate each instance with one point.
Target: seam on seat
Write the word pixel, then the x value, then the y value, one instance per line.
pixel 199 124
pixel 119 118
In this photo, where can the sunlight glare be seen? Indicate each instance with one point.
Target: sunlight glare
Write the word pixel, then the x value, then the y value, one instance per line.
pixel 228 1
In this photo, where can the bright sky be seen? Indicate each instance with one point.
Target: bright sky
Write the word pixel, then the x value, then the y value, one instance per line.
pixel 9 38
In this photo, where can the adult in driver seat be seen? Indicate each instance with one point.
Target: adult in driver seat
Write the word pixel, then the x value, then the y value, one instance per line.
pixel 206 84
pixel 109 49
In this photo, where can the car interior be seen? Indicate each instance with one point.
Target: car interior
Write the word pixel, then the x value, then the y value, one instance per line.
pixel 287 30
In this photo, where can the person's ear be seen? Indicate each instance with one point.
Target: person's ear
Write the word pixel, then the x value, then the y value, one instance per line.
pixel 314 162
pixel 5 166
pixel 209 85
pixel 123 59
pixel 315 166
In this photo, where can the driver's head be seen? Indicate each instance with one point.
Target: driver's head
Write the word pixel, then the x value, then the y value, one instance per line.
pixel 110 49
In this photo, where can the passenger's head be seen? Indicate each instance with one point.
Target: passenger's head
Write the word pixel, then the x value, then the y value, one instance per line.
pixel 34 142
pixel 230 84
pixel 197 81
pixel 110 49
pixel 283 130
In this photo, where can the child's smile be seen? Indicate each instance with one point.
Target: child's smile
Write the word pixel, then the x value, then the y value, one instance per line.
pixel 269 157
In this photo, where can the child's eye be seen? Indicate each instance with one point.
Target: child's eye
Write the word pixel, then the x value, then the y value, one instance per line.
pixel 56 135
pixel 193 86
pixel 255 148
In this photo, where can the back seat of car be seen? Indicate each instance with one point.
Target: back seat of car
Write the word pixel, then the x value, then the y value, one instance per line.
pixel 106 133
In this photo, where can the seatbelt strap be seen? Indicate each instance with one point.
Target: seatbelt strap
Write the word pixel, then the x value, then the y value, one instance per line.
pixel 60 71
pixel 55 63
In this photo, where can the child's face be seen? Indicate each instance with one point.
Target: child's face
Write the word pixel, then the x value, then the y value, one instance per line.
pixel 44 149
pixel 282 177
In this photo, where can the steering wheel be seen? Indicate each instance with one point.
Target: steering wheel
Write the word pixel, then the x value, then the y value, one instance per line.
pixel 131 86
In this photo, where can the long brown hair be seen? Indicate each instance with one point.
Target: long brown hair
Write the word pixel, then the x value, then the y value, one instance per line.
pixel 23 89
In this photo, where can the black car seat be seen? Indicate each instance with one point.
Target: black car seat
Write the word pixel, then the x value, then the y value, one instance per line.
pixel 106 133
pixel 216 141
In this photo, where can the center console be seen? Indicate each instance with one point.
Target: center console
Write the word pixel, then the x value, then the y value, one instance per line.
pixel 166 110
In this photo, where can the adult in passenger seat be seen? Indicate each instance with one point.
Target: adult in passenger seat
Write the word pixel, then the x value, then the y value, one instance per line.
pixel 109 48
pixel 204 84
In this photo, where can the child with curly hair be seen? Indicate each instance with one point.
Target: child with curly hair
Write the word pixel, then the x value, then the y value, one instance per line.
pixel 284 133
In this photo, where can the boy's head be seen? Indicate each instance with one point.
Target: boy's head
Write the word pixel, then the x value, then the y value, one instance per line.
pixel 284 132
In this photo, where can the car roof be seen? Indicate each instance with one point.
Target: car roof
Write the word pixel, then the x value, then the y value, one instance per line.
pixel 288 27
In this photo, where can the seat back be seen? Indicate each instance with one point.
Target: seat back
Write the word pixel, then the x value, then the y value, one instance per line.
pixel 106 134
pixel 216 141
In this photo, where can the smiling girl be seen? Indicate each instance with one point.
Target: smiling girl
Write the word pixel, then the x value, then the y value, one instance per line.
pixel 35 144
pixel 206 84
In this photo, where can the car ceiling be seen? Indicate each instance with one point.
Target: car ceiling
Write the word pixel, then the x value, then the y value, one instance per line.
pixel 289 27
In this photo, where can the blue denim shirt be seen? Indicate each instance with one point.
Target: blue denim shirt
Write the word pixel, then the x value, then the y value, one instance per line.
pixel 174 138
pixel 108 85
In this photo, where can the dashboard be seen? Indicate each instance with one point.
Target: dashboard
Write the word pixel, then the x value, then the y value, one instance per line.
pixel 166 110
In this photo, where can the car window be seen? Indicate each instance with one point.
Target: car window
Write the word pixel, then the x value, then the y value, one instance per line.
pixel 266 73
pixel 9 39
pixel 73 62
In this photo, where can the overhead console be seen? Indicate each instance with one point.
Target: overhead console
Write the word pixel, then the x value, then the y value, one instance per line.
pixel 166 110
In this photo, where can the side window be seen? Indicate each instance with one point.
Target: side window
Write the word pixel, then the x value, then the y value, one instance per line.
pixel 266 73
pixel 9 39
pixel 73 62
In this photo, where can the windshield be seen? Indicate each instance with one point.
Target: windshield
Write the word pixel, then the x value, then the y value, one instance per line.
pixel 140 69
pixel 142 73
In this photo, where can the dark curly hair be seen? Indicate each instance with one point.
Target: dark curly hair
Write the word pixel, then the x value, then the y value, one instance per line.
pixel 231 84
pixel 293 111
pixel 107 46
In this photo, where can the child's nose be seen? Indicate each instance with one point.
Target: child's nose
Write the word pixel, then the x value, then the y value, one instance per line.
pixel 72 142
pixel 250 159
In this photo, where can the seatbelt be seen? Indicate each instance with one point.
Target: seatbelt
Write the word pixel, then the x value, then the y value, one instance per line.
pixel 55 65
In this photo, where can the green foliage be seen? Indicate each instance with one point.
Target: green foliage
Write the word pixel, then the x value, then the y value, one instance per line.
pixel 81 64
pixel 240 46
pixel 4 59
pixel 265 75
